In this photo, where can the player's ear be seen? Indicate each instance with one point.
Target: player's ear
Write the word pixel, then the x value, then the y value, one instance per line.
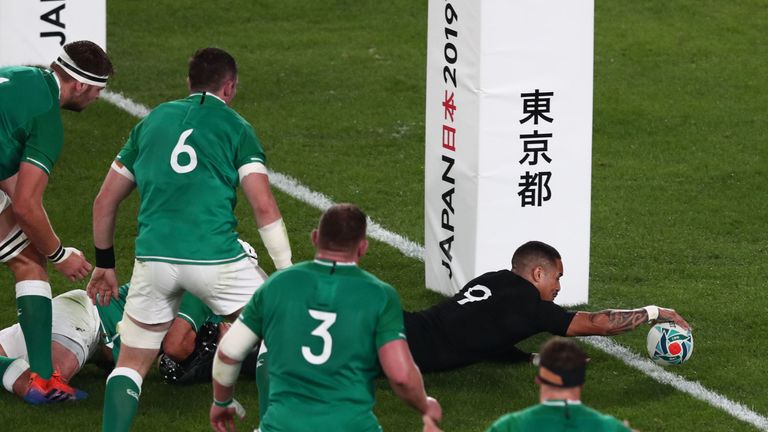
pixel 79 88
pixel 228 89
pixel 362 248
pixel 314 236
pixel 537 273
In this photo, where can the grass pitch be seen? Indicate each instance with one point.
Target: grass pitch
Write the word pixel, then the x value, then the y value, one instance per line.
pixel 335 91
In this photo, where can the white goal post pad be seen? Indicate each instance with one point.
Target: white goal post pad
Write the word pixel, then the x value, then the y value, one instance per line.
pixel 32 32
pixel 508 137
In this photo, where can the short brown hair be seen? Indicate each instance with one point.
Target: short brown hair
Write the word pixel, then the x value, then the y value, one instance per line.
pixel 562 363
pixel 341 228
pixel 209 68
pixel 534 253
pixel 87 56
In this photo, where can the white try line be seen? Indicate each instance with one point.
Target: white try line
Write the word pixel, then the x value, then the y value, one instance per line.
pixel 411 249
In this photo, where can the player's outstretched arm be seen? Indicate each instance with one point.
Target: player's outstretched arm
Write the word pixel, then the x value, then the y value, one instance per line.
pixel 234 346
pixel 611 322
pixel 28 210
pixel 405 378
pixel 268 218
pixel 115 188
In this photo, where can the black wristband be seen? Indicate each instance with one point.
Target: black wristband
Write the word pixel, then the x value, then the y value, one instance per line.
pixel 105 258
pixel 56 256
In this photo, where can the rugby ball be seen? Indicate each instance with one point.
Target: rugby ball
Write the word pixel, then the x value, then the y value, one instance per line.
pixel 669 344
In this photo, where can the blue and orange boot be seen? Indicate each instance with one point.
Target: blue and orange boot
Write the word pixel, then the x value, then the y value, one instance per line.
pixel 53 390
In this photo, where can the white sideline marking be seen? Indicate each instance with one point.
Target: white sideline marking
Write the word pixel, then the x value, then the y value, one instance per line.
pixel 413 250
pixel 295 189
pixel 127 105
pixel 663 376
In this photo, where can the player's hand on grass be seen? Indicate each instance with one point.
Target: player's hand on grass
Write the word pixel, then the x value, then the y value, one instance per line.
pixel 669 315
pixel 223 418
pixel 74 265
pixel 102 287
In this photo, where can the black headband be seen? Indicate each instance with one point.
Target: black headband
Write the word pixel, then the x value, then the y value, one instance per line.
pixel 561 378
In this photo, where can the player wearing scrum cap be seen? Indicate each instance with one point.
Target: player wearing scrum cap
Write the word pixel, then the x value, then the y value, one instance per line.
pixel 31 138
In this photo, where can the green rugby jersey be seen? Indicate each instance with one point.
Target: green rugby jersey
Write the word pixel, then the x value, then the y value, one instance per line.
pixel 184 156
pixel 324 323
pixel 110 315
pixel 557 415
pixel 30 119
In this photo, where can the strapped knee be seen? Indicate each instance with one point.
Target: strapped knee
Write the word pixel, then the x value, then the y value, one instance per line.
pixel 135 336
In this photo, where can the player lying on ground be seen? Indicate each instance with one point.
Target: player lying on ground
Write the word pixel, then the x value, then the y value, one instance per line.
pixel 83 332
pixel 497 310
pixel 493 313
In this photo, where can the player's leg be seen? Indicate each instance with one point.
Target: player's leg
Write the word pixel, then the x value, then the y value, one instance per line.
pixel 75 335
pixel 15 372
pixel 140 346
pixel 179 342
pixel 33 292
pixel 225 288
pixel 150 307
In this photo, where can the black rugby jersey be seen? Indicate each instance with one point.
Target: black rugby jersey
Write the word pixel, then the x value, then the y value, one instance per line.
pixel 484 321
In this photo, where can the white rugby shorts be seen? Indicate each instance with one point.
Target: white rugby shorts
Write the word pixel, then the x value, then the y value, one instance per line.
pixel 14 240
pixel 156 287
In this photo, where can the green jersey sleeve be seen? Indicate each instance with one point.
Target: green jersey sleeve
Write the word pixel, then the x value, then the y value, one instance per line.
pixel 249 149
pixel 130 150
pixel 195 312
pixel 390 325
pixel 45 140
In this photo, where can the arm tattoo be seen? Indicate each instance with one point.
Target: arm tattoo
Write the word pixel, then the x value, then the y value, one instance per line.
pixel 615 321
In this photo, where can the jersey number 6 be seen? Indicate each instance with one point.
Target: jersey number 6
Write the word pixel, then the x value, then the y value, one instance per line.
pixel 183 148
pixel 327 318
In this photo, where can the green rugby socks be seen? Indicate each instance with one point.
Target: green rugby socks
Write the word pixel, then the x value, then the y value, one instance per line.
pixel 33 303
pixel 121 400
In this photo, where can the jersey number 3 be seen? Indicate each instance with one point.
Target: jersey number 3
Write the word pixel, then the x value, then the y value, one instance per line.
pixel 321 331
pixel 183 148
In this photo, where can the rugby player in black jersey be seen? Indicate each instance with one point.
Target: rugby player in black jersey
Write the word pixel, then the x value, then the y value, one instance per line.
pixel 495 311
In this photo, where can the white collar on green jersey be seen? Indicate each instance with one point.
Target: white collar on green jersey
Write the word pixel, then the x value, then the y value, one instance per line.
pixel 560 402
pixel 206 95
pixel 330 263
